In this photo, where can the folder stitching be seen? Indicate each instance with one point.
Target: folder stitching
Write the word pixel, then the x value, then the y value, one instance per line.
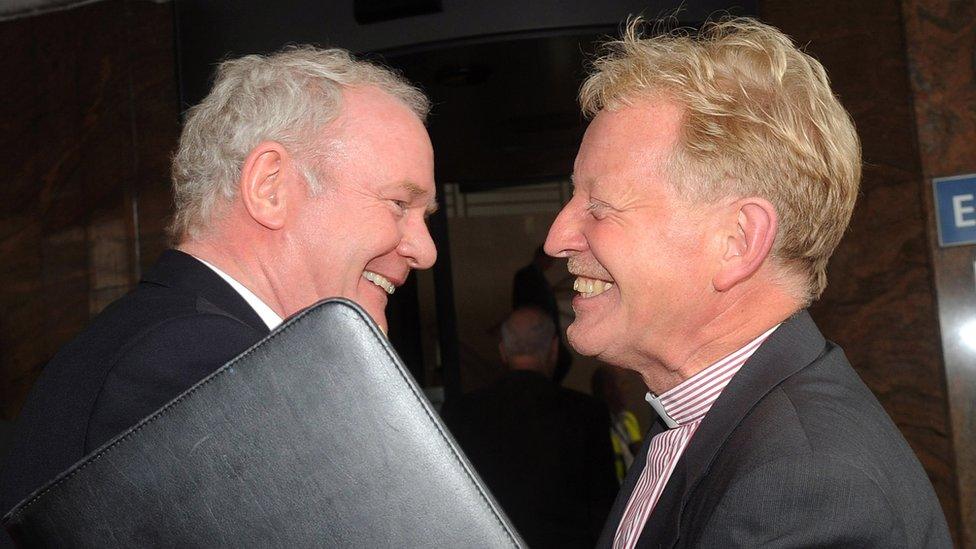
pixel 386 347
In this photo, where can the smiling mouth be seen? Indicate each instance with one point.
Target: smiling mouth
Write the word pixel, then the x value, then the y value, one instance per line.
pixel 380 281
pixel 591 287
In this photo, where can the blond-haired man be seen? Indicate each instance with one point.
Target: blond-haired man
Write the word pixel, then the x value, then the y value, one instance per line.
pixel 303 175
pixel 713 184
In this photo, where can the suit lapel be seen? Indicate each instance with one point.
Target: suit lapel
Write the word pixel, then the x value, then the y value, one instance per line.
pixel 793 346
pixel 176 269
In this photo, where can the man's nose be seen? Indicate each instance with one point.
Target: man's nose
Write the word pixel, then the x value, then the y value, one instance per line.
pixel 565 238
pixel 417 245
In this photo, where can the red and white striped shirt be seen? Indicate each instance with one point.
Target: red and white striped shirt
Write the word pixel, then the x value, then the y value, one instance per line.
pixel 682 408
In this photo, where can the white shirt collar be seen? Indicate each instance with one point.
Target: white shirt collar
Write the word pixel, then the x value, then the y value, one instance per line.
pixel 266 313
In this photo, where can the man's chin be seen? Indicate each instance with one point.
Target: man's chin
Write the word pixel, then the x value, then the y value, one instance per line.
pixel 581 342
pixel 373 301
pixel 378 316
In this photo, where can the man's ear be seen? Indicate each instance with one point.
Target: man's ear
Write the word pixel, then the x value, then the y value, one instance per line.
pixel 262 184
pixel 747 243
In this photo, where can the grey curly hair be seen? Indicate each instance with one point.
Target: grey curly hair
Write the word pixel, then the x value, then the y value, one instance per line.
pixel 288 97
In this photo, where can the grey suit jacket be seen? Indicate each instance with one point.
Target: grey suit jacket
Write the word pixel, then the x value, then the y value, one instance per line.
pixel 796 452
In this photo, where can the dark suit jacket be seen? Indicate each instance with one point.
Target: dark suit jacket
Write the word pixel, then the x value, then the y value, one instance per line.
pixel 180 324
pixel 545 453
pixel 796 452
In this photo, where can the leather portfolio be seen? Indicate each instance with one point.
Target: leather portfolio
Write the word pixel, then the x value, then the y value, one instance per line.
pixel 316 436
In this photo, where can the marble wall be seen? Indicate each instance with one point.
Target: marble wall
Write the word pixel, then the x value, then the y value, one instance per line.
pixel 941 38
pixel 87 124
pixel 880 305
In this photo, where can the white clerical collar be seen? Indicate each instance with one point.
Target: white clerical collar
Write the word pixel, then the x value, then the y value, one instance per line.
pixel 691 399
pixel 266 313
pixel 659 409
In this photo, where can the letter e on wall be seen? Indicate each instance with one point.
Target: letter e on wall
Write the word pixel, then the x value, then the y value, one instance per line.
pixel 955 208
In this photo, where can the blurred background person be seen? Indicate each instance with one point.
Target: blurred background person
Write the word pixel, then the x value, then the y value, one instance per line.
pixel 531 288
pixel 543 450
pixel 625 432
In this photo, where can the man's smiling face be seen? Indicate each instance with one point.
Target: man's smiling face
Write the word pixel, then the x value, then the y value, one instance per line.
pixel 639 252
pixel 360 237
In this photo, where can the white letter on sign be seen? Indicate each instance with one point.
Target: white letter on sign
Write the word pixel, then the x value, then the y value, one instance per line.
pixel 959 211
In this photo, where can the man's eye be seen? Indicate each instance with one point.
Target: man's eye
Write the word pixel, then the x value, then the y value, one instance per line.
pixel 595 209
pixel 400 205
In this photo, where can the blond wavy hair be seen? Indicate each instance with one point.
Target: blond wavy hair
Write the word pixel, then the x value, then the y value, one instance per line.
pixel 759 120
pixel 288 97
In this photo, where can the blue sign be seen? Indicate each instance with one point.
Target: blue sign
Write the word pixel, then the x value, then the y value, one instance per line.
pixel 955 209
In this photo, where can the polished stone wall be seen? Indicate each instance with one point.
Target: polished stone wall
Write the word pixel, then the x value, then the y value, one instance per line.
pixel 880 305
pixel 941 37
pixel 89 119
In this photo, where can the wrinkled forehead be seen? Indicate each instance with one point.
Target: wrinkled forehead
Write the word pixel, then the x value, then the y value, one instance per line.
pixel 384 144
pixel 642 134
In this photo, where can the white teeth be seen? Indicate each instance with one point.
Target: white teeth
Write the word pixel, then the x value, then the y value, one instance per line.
pixel 589 287
pixel 380 281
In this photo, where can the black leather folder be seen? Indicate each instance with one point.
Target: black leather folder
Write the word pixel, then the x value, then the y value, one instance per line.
pixel 317 436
